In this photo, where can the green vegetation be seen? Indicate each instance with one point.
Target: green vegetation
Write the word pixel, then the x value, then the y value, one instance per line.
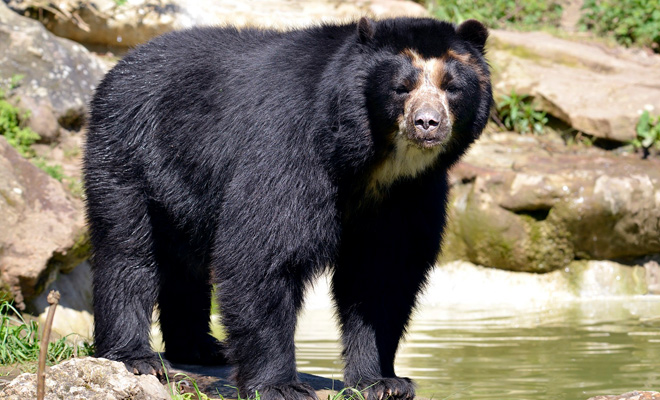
pixel 53 170
pixel 631 22
pixel 500 13
pixel 648 132
pixel 185 382
pixel 15 81
pixel 20 137
pixel 178 389
pixel 516 112
pixel 19 342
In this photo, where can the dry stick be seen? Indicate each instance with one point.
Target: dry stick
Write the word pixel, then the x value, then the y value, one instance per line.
pixel 53 299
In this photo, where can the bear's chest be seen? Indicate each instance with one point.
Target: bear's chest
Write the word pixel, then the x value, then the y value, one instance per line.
pixel 404 161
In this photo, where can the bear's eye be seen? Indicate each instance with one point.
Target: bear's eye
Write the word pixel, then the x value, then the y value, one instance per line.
pixel 452 87
pixel 401 89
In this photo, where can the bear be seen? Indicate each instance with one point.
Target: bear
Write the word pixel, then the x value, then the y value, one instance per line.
pixel 253 160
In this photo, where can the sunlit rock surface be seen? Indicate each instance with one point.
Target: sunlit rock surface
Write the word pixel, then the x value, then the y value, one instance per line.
pixel 126 24
pixel 56 77
pixel 88 378
pixel 527 203
pixel 594 89
pixel 42 227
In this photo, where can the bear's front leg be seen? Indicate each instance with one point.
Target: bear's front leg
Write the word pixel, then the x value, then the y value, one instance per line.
pixel 259 313
pixel 384 259
pixel 373 316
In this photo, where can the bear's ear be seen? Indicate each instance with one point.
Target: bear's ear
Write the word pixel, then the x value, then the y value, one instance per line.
pixel 365 30
pixel 474 32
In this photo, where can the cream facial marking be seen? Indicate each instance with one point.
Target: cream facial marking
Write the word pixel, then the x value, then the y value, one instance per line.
pixel 430 90
pixel 406 160
pixel 414 150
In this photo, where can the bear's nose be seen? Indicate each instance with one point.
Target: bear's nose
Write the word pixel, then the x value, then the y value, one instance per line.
pixel 427 119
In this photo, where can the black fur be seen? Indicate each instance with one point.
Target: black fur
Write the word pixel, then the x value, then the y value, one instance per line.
pixel 243 159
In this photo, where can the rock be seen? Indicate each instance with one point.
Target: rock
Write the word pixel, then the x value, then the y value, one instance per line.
pixel 58 75
pixel 42 227
pixel 464 282
pixel 588 279
pixel 594 89
pixel 630 396
pixel 87 378
pixel 527 203
pixel 74 312
pixel 41 117
pixel 216 381
pixel 109 23
pixel 653 276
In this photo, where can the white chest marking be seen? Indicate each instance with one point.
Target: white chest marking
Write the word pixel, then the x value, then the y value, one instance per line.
pixel 406 161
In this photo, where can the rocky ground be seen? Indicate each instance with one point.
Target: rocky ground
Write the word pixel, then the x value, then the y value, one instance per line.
pixel 578 212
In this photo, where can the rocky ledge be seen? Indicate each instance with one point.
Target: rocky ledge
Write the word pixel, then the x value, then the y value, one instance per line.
pixel 529 203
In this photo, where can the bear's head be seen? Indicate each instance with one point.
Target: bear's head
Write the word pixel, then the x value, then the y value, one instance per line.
pixel 427 89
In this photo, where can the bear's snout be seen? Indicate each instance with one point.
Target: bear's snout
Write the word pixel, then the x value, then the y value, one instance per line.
pixel 430 126
pixel 427 119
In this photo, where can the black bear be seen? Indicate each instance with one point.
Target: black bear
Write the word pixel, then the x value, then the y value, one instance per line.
pixel 256 159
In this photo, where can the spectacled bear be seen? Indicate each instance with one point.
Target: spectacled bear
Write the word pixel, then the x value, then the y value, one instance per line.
pixel 256 159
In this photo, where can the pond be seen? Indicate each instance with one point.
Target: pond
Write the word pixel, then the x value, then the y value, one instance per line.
pixel 553 350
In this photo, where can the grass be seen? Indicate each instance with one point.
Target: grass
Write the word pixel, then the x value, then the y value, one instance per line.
pixel 19 346
pixel 178 392
pixel 19 342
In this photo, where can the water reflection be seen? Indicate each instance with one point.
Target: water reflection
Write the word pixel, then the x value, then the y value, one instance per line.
pixel 567 350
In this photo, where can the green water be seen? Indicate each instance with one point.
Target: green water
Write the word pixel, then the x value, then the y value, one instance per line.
pixel 570 350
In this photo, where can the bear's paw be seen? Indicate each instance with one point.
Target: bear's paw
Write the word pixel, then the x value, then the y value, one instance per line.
pixel 387 389
pixel 288 391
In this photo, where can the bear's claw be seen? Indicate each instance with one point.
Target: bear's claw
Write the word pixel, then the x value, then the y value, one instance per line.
pixel 147 366
pixel 388 389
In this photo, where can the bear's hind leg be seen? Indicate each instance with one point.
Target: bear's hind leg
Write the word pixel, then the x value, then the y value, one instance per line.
pixel 185 298
pixel 185 308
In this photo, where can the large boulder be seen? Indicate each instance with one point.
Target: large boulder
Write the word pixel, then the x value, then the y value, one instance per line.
pixel 594 89
pixel 42 228
pixel 126 24
pixel 527 203
pixel 56 77
pixel 88 378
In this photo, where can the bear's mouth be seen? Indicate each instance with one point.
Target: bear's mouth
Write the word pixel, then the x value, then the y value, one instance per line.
pixel 426 141
pixel 429 143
